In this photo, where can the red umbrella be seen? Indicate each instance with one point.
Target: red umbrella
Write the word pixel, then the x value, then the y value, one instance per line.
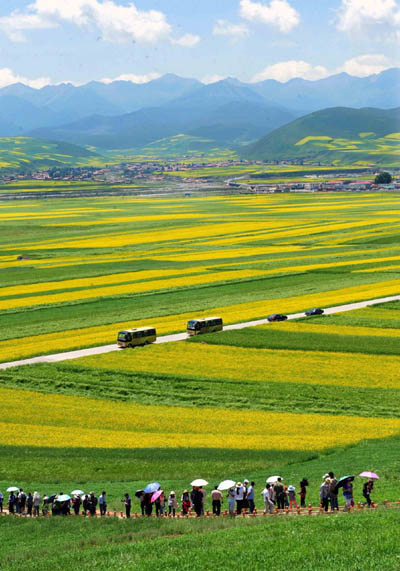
pixel 156 495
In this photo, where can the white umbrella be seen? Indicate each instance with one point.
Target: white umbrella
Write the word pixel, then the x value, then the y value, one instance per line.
pixel 226 484
pixel 12 489
pixel 77 493
pixel 63 498
pixel 273 479
pixel 199 482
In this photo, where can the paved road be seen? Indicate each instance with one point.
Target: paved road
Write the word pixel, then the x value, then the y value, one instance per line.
pixel 182 336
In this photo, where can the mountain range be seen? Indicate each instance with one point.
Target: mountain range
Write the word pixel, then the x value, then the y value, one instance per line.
pixel 122 114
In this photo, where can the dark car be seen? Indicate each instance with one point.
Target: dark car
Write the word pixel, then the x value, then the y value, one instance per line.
pixel 277 317
pixel 315 311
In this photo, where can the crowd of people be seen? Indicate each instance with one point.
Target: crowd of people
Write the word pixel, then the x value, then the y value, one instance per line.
pixel 239 497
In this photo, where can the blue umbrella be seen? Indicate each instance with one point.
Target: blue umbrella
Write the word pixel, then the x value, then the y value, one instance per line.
pixel 151 488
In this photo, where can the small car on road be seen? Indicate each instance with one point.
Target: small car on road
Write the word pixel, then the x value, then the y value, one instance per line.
pixel 315 311
pixel 277 317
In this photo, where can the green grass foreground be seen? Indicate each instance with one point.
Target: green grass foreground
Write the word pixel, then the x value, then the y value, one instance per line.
pixel 361 541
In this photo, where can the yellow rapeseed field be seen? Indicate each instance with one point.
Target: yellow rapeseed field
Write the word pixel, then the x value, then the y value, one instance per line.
pixel 195 360
pixel 60 421
pixel 129 288
pixel 303 327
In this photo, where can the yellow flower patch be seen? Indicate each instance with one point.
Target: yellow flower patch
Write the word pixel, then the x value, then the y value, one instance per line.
pixel 248 364
pixel 82 422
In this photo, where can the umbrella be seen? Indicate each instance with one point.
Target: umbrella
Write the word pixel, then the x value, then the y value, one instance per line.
pixel 226 484
pixel 51 498
pixel 138 493
pixel 63 498
pixel 150 488
pixel 369 475
pixel 342 480
pixel 12 489
pixel 156 495
pixel 273 479
pixel 199 482
pixel 77 493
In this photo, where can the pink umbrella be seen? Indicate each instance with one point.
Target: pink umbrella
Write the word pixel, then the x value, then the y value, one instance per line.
pixel 156 495
pixel 369 475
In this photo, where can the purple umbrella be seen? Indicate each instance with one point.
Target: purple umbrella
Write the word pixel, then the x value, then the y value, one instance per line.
pixel 156 495
pixel 369 475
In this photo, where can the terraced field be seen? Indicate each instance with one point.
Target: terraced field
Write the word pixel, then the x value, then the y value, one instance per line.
pixel 298 398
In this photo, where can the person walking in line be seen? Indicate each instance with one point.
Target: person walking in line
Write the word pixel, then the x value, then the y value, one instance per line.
pixel 172 504
pixel 245 503
pixel 92 504
pixel 197 501
pixel 45 506
pixel 128 504
pixel 278 489
pixel 85 504
pixel 303 492
pixel 231 501
pixel 141 500
pixel 103 503
pixel 159 504
pixel 239 495
pixel 324 492
pixel 36 504
pixel 22 501
pixel 216 498
pixel 348 493
pixel 1 502
pixel 204 494
pixel 333 493
pixel 285 497
pixel 250 497
pixel 268 494
pixel 148 506
pixel 11 502
pixel 76 504
pixel 186 504
pixel 367 490
pixel 292 497
pixel 29 504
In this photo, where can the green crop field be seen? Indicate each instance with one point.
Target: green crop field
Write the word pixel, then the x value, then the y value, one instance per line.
pixel 298 398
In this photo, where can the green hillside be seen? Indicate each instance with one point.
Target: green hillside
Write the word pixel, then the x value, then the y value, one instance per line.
pixel 26 152
pixel 336 135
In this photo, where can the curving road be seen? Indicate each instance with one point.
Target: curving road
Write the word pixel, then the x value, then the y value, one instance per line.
pixel 55 358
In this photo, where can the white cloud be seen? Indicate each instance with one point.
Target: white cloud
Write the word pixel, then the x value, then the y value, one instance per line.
pixel 8 77
pixel 367 64
pixel 133 77
pixel 286 70
pixel 360 66
pixel 187 41
pixel 358 15
pixel 278 13
pixel 115 22
pixel 225 28
pixel 212 78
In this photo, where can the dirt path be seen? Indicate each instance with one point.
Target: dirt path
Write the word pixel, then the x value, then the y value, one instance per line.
pixel 55 358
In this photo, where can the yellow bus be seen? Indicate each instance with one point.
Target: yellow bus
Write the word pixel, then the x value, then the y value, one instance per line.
pixel 206 325
pixel 136 337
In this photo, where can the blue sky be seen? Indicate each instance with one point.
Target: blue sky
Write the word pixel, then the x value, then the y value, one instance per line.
pixel 51 41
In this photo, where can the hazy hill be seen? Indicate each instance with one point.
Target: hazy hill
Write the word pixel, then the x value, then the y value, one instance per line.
pixel 225 112
pixel 336 133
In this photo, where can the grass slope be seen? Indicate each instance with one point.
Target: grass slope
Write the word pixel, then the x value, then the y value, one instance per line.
pixel 30 153
pixel 340 133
